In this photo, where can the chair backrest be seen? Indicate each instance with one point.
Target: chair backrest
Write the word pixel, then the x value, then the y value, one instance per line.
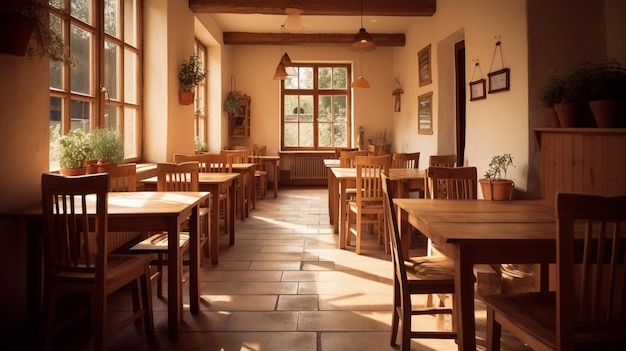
pixel 218 163
pixel 347 158
pixel 368 178
pixel 338 150
pixel 177 176
pixel 591 265
pixel 405 160
pixel 391 218
pixel 451 182
pixel 442 161
pixel 238 156
pixel 123 177
pixel 68 230
pixel 200 158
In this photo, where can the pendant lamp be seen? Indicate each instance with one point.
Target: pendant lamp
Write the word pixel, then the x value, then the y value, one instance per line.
pixel 293 22
pixel 360 82
pixel 285 66
pixel 362 40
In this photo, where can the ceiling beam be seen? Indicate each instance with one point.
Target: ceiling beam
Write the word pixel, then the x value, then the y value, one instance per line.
pixel 318 7
pixel 240 38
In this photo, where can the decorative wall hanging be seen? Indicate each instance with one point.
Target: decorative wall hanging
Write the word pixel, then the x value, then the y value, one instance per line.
pixel 498 80
pixel 425 113
pixel 423 60
pixel 477 87
pixel 396 93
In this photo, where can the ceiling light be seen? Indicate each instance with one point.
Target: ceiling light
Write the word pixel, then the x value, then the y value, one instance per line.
pixel 285 66
pixel 362 39
pixel 286 60
pixel 293 22
pixel 281 73
pixel 360 82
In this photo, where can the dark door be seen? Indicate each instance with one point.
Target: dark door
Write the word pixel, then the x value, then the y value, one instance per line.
pixel 459 63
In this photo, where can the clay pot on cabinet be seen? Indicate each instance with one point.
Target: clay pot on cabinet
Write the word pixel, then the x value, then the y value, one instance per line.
pixel 569 114
pixel 608 113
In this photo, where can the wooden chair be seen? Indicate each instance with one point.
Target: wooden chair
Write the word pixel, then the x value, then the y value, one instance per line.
pixel 588 309
pixel 260 172
pixel 71 265
pixel 405 160
pixel 240 156
pixel 203 164
pixel 347 158
pixel 367 207
pixel 451 182
pixel 123 178
pixel 338 150
pixel 221 163
pixel 173 177
pixel 442 161
pixel 412 276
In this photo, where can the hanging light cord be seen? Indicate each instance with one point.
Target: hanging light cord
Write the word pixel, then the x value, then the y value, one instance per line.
pixel 361 13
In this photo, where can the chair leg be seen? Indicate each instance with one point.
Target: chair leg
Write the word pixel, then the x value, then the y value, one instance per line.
pixel 494 331
pixel 146 297
pixel 359 234
pixel 395 318
pixel 160 276
pixel 405 343
pixel 99 320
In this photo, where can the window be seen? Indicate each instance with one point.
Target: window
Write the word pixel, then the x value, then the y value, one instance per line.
pixel 200 125
pixel 316 107
pixel 102 89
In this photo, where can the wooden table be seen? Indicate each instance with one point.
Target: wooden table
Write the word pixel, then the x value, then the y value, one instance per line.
pixel 273 161
pixel 138 211
pixel 247 186
pixel 478 231
pixel 329 164
pixel 401 180
pixel 213 183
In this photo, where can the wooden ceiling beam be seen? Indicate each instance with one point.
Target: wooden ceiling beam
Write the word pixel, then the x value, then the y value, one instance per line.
pixel 240 38
pixel 318 7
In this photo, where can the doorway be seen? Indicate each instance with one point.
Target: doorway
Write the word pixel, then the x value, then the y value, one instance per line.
pixel 459 64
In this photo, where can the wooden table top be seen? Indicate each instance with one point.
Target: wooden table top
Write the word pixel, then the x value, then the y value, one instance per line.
pixel 203 178
pixel 394 173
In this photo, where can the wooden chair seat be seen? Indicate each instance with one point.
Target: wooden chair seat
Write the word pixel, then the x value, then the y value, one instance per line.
pixel 439 267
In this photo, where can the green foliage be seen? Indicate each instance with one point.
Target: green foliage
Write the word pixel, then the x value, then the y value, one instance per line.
pixel 199 145
pixel 191 73
pixel 498 166
pixel 107 145
pixel 74 148
pixel 233 102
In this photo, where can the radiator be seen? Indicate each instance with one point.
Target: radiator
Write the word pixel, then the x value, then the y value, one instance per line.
pixel 308 167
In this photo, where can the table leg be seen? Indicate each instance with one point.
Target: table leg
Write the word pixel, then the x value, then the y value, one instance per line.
pixel 464 298
pixel 251 190
pixel 194 261
pixel 231 219
pixel 174 286
pixel 329 182
pixel 341 217
pixel 214 233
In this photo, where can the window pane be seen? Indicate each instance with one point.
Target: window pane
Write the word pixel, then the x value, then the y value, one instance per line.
pixel 111 18
pixel 131 131
pixel 324 134
pixel 81 41
pixel 291 134
pixel 111 117
pixel 56 67
pixel 339 108
pixel 340 135
pixel 340 78
pixel 291 82
pixel 324 108
pixel 305 108
pixel 305 77
pixel 130 77
pixel 112 69
pixel 80 115
pixel 130 22
pixel 306 134
pixel 82 10
pixel 324 75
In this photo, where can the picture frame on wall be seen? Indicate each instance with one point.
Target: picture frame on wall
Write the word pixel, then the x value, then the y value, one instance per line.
pixel 423 60
pixel 499 80
pixel 478 90
pixel 425 113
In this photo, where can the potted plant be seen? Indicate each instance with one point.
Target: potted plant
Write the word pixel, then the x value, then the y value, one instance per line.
pixel 191 73
pixel 550 95
pixel 200 146
pixel 495 185
pixel 232 103
pixel 74 149
pixel 606 84
pixel 24 19
pixel 570 108
pixel 107 146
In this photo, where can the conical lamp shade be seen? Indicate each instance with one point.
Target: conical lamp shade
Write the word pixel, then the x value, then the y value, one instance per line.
pixel 362 39
pixel 286 61
pixel 293 22
pixel 281 73
pixel 360 83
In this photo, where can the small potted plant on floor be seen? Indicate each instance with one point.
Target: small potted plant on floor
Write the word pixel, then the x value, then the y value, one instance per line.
pixel 495 185
pixel 191 73
pixel 74 149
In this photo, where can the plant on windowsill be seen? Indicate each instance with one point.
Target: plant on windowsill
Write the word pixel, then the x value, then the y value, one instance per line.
pixel 107 147
pixel 26 19
pixel 191 73
pixel 495 185
pixel 74 149
pixel 200 146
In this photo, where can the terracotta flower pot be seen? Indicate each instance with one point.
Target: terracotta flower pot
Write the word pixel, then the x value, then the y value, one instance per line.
pixel 16 31
pixel 570 114
pixel 185 97
pixel 497 189
pixel 70 172
pixel 552 117
pixel 608 113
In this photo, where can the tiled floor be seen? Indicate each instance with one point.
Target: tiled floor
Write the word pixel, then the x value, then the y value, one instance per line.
pixel 285 286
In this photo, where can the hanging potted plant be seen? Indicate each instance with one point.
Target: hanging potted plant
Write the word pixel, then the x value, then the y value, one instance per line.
pixel 74 149
pixel 191 73
pixel 495 185
pixel 22 20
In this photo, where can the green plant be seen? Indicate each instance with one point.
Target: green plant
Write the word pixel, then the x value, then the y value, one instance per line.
pixel 498 166
pixel 48 42
pixel 605 80
pixel 552 92
pixel 191 73
pixel 199 145
pixel 232 104
pixel 107 145
pixel 74 148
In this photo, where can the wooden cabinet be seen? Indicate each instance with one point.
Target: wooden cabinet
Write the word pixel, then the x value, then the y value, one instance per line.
pixel 239 123
pixel 589 160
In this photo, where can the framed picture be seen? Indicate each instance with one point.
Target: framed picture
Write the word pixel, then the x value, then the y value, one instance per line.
pixel 425 113
pixel 478 90
pixel 499 80
pixel 423 60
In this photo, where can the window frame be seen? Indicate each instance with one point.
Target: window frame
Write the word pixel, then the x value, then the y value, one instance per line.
pixel 316 93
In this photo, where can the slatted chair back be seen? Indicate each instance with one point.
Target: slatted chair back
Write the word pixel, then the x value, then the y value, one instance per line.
pixel 405 160
pixel 177 176
pixel 442 161
pixel 123 177
pixel 338 150
pixel 451 182
pixel 238 156
pixel 203 164
pixel 218 163
pixel 347 158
